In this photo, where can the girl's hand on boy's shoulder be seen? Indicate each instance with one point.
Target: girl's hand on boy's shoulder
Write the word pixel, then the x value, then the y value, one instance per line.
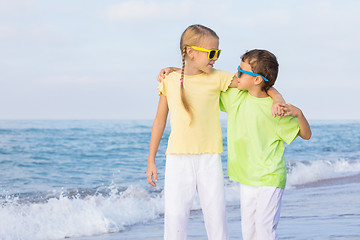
pixel 277 109
pixel 291 110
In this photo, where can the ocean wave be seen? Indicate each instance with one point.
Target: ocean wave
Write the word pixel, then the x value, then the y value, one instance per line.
pixel 86 212
pixel 322 172
pixel 72 215
pixel 308 174
pixel 110 209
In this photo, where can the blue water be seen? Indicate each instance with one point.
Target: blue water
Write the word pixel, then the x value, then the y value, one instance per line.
pixel 86 178
pixel 43 155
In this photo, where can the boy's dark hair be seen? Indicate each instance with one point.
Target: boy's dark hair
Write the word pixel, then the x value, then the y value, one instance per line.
pixel 264 63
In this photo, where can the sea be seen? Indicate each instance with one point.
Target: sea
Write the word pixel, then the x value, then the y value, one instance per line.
pixel 85 180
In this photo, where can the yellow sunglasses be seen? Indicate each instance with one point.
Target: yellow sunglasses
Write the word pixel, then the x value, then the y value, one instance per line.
pixel 211 53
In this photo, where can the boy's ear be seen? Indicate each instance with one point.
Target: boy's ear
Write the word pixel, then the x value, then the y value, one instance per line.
pixel 258 80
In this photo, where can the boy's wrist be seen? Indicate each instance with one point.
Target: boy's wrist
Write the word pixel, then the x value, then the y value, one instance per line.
pixel 174 69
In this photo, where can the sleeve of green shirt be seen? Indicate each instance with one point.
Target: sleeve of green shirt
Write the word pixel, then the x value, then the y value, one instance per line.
pixel 229 99
pixel 288 128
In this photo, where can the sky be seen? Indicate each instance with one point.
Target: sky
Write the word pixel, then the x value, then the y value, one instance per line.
pixel 91 59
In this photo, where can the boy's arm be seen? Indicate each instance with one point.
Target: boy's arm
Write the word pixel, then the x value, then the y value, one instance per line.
pixel 165 71
pixel 276 109
pixel 305 131
pixel 156 134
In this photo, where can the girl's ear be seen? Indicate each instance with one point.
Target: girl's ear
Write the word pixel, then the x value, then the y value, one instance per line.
pixel 190 52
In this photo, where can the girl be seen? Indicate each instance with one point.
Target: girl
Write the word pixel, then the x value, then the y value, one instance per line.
pixel 193 162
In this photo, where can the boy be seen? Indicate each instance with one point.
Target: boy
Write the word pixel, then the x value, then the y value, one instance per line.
pixel 255 143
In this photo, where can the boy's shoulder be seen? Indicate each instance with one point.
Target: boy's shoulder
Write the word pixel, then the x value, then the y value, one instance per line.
pixel 234 92
pixel 231 99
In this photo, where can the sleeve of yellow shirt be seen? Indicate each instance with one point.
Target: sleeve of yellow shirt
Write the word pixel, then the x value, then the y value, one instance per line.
pixel 225 80
pixel 162 87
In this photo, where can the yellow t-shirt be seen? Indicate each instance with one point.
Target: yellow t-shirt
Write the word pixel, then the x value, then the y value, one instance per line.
pixel 202 92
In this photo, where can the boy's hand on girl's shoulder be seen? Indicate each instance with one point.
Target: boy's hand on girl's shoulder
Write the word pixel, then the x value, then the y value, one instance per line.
pixel 290 110
pixel 164 72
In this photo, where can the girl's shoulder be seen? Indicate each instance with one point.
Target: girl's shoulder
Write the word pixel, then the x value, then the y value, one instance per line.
pixel 222 78
pixel 222 73
pixel 172 75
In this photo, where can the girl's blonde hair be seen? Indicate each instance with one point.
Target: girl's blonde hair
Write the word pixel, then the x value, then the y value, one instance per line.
pixel 192 36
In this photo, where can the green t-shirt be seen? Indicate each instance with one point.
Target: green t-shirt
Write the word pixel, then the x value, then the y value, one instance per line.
pixel 256 139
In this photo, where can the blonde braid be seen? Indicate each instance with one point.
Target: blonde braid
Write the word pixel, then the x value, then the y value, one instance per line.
pixel 182 90
pixel 192 36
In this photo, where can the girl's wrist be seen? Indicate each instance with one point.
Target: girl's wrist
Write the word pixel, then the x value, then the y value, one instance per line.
pixel 299 114
pixel 151 159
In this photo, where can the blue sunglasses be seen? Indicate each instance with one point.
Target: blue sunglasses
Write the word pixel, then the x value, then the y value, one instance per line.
pixel 250 73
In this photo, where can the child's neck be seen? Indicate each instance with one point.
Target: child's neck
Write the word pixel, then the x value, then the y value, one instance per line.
pixel 258 93
pixel 191 70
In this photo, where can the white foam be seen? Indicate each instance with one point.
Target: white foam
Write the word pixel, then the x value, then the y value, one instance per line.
pixel 232 191
pixel 63 217
pixel 302 173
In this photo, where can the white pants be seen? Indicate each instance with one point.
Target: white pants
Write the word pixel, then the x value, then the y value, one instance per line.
pixel 184 176
pixel 260 211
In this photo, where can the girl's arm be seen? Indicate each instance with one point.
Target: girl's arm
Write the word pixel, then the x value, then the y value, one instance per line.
pixel 276 109
pixel 156 134
pixel 305 131
pixel 273 93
